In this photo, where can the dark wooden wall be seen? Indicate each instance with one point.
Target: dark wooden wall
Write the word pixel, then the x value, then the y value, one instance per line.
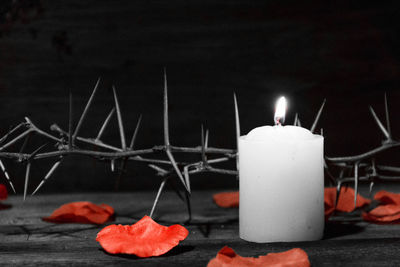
pixel 345 51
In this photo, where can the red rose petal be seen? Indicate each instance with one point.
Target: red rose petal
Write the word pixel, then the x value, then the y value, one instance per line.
pixel 387 197
pixel 227 199
pixel 81 212
pixel 145 238
pixel 385 210
pixel 346 200
pixel 382 214
pixel 227 257
pixel 388 212
pixel 3 192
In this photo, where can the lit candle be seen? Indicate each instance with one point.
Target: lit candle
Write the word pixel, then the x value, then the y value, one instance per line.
pixel 281 183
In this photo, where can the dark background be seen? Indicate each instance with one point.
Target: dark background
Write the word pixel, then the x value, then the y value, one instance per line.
pixel 345 51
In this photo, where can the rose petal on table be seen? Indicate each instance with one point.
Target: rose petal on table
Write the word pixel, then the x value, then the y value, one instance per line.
pixel 383 214
pixel 81 212
pixel 145 238
pixel 346 200
pixel 227 199
pixel 388 211
pixel 227 257
pixel 3 192
pixel 387 197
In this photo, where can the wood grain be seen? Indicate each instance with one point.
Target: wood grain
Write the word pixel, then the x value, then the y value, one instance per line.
pixel 27 240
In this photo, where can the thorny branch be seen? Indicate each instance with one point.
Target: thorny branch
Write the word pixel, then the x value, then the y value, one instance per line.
pixel 69 143
pixel 356 169
pixel 362 167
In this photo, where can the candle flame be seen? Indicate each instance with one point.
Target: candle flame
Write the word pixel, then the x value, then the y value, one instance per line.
pixel 280 111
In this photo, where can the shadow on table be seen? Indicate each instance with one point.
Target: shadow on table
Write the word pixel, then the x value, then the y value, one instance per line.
pixel 204 223
pixel 5 206
pixel 337 228
pixel 55 230
pixel 173 252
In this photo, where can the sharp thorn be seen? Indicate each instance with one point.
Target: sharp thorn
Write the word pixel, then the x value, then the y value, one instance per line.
pixel 166 123
pixel 186 174
pixel 12 187
pixel 120 122
pixel 11 142
pixel 295 119
pixel 314 125
pixel 34 153
pixel 158 169
pixel 105 123
pixel 11 131
pixel 237 121
pixel 384 131
pixel 135 132
pixel 237 124
pixel 160 189
pixel 29 122
pixel 298 122
pixel 206 139
pixel 178 172
pixel 28 169
pixel 371 185
pixel 203 148
pixel 3 168
pixel 84 113
pixel 26 140
pixel 387 116
pixel 38 187
pixel 49 173
pixel 3 138
pixel 338 190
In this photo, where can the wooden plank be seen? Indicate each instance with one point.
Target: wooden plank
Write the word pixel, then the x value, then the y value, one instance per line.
pixel 27 240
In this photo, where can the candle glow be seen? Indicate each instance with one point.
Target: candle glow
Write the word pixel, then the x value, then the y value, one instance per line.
pixel 280 111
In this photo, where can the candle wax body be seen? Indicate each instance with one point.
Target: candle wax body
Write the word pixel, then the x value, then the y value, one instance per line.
pixel 281 185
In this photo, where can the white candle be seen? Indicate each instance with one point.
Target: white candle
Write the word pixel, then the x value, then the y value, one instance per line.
pixel 281 184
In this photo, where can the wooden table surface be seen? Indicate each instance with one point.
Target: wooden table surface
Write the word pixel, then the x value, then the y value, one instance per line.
pixel 27 240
